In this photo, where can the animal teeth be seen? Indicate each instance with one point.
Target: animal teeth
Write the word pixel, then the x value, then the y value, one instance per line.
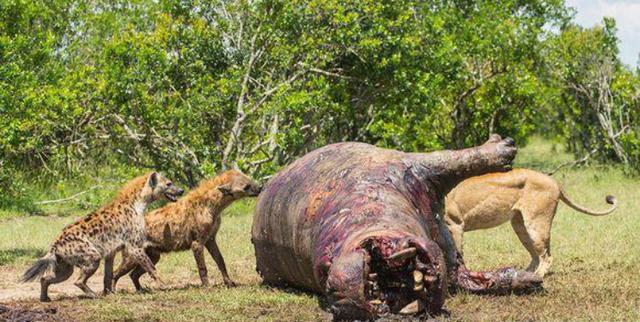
pixel 417 276
pixel 413 307
pixel 375 302
pixel 417 281
pixel 404 254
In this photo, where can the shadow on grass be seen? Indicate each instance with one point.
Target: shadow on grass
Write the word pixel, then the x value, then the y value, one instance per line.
pixel 10 256
pixel 169 288
pixel 325 304
pixel 533 291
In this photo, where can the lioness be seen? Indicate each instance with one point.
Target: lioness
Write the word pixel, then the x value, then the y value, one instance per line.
pixel 192 223
pixel 528 198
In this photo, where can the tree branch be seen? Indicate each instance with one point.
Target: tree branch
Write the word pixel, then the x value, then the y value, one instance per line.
pixel 46 202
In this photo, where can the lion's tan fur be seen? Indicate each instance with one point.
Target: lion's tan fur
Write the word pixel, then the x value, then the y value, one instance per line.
pixel 192 223
pixel 528 198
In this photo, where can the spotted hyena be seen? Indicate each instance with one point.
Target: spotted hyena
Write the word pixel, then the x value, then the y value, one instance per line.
pixel 118 225
pixel 192 223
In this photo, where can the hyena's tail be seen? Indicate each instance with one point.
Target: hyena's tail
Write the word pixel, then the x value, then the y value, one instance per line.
pixel 39 268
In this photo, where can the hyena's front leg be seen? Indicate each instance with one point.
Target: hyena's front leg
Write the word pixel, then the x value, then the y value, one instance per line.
pixel 213 249
pixel 88 262
pixel 198 254
pixel 137 272
pixel 144 261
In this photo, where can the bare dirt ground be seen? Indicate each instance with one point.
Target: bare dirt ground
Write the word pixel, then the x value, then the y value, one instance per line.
pixel 13 290
pixel 19 302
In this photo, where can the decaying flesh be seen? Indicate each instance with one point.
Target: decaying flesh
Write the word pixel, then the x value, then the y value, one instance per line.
pixel 363 226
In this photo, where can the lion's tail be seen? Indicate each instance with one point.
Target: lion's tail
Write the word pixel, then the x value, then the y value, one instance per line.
pixel 610 200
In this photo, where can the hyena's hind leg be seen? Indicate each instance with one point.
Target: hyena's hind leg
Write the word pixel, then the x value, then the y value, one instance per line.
pixel 108 274
pixel 138 271
pixel 61 273
pixel 86 271
pixel 126 266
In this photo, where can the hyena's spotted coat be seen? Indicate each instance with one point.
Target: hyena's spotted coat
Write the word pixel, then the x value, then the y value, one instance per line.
pixel 192 223
pixel 119 224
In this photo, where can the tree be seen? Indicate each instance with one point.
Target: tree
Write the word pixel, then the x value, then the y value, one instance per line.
pixel 599 96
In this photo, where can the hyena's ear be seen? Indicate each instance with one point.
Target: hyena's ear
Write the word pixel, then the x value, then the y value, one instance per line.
pixel 153 180
pixel 226 189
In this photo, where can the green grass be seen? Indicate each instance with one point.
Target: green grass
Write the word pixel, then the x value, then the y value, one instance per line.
pixel 594 274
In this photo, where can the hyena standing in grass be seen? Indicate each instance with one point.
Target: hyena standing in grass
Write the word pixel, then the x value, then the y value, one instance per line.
pixel 118 225
pixel 192 223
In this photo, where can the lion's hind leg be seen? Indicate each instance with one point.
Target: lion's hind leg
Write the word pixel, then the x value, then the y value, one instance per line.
pixel 534 230
pixel 517 222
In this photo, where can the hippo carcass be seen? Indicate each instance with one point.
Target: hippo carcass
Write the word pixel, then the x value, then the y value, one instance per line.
pixel 362 225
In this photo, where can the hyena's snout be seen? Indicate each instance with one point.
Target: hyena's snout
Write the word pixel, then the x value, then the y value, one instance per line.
pixel 255 189
pixel 173 192
pixel 259 189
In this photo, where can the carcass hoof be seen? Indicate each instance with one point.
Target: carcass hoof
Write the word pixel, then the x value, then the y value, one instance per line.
pixel 509 280
pixel 526 282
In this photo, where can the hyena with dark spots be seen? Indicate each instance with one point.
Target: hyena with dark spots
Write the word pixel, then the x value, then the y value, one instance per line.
pixel 118 225
pixel 192 223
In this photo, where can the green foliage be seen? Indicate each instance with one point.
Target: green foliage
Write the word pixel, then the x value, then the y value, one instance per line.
pixel 192 87
pixel 597 99
pixel 30 34
pixel 13 196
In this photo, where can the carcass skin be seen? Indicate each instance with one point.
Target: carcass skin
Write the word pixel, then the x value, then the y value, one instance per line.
pixel 363 226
